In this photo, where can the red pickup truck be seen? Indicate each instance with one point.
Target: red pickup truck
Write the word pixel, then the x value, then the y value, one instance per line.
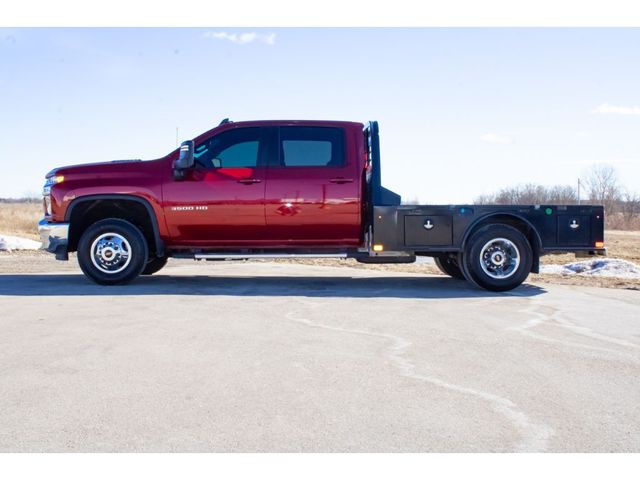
pixel 267 189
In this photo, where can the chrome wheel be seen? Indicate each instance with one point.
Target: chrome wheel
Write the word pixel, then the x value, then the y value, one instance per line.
pixel 110 253
pixel 499 258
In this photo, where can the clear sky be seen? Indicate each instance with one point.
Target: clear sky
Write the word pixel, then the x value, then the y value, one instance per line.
pixel 461 111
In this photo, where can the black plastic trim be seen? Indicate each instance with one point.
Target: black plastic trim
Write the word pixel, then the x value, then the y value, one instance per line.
pixel 60 251
pixel 488 216
pixel 160 248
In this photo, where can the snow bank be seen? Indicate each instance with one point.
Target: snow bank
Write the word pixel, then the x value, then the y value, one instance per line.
pixel 601 267
pixel 8 243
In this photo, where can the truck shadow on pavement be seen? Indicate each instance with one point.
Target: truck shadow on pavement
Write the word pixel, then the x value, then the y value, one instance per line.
pixel 304 286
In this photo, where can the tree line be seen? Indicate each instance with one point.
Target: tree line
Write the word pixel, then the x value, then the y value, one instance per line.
pixel 601 186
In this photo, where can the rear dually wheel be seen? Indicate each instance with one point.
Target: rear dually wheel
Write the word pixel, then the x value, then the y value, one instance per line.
pixel 497 257
pixel 449 266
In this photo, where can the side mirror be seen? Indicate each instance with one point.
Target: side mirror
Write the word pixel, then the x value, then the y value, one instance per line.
pixel 185 160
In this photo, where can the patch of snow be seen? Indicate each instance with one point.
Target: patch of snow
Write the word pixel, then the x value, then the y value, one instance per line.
pixel 601 267
pixel 553 269
pixel 8 243
pixel 425 260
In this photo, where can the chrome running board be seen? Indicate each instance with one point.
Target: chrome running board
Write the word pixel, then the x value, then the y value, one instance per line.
pixel 248 256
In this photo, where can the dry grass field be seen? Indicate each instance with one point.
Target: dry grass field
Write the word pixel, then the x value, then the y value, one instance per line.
pixel 20 219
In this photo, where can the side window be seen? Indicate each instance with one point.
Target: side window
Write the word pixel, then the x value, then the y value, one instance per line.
pixel 311 147
pixel 233 148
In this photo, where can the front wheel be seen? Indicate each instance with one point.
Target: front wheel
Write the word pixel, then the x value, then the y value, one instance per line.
pixel 497 258
pixel 112 251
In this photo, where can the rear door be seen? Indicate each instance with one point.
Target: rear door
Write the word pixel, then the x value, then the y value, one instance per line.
pixel 220 202
pixel 313 188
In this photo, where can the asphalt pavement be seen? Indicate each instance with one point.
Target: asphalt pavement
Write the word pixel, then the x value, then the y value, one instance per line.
pixel 266 357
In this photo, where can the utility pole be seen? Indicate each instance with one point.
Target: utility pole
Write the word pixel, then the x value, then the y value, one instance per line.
pixel 578 191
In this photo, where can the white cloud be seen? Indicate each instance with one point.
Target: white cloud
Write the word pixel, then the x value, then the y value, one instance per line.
pixel 243 38
pixel 608 108
pixel 495 138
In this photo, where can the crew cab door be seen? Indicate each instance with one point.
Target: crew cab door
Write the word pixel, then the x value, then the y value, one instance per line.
pixel 313 188
pixel 220 202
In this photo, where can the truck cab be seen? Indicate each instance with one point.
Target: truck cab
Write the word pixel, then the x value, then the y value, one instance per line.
pixel 268 184
pixel 266 189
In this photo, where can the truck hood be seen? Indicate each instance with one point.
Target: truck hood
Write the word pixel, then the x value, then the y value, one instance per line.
pixel 80 168
pixel 117 174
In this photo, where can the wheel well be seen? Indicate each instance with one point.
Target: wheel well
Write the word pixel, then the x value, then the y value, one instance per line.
pixel 88 212
pixel 523 226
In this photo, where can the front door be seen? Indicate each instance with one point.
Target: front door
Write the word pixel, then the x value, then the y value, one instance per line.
pixel 313 189
pixel 220 202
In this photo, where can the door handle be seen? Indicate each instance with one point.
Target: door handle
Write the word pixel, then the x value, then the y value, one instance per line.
pixel 341 180
pixel 249 181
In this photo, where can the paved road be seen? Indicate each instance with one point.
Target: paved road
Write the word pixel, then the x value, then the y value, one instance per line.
pixel 275 357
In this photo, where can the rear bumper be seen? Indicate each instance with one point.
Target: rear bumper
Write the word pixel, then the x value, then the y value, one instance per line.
pixel 54 237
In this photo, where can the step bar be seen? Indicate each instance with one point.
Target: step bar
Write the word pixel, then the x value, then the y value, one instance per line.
pixel 248 256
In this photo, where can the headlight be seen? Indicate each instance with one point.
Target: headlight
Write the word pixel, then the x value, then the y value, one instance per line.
pixel 50 182
pixel 53 180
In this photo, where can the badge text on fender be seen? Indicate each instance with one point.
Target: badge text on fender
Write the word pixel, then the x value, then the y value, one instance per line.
pixel 189 208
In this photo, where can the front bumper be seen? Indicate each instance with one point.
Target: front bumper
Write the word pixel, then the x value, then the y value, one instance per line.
pixel 54 237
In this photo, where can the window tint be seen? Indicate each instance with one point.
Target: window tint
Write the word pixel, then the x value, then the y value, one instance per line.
pixel 233 148
pixel 311 147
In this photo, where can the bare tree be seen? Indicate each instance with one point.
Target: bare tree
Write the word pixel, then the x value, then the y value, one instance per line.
pixel 630 206
pixel 485 199
pixel 622 207
pixel 603 187
pixel 562 195
pixel 531 194
pixel 528 194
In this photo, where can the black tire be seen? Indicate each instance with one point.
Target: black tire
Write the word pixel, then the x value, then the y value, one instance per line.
pixel 497 258
pixel 119 252
pixel 154 265
pixel 449 266
pixel 465 270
